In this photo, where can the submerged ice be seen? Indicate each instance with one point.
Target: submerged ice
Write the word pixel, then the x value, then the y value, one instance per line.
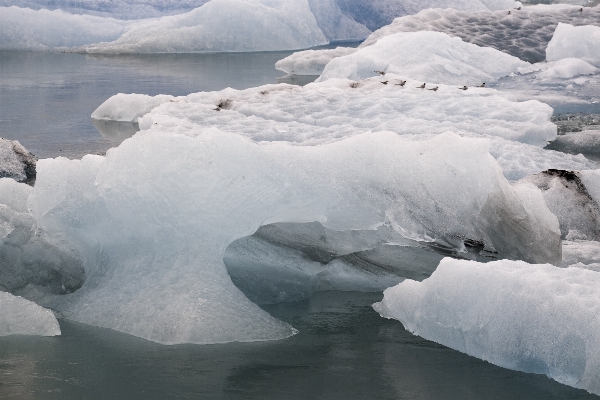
pixel 23 317
pixel 532 318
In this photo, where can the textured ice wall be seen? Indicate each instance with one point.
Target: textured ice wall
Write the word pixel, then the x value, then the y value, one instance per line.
pixel 426 56
pixel 570 41
pixel 25 29
pixel 532 318
pixel 153 218
pixel 23 317
pixel 524 34
pixel 27 255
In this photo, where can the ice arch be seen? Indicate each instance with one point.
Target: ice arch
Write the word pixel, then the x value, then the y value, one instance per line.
pixel 153 218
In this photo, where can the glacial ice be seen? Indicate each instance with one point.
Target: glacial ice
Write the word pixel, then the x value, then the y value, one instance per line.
pixel 29 257
pixel 23 317
pixel 311 62
pixel 586 142
pixel 16 162
pixel 532 318
pixel 524 34
pixel 426 56
pixel 582 42
pixel 581 253
pixel 152 219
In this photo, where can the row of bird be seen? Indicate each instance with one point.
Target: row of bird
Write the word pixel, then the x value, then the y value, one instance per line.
pixel 423 86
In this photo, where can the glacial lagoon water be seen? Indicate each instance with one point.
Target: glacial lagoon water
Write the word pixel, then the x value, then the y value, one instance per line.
pixel 344 349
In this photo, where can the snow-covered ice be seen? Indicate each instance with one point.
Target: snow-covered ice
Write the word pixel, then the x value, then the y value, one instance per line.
pixel 23 317
pixel 426 56
pixel 532 318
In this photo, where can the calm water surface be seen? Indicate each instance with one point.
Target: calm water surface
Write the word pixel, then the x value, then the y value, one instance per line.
pixel 344 349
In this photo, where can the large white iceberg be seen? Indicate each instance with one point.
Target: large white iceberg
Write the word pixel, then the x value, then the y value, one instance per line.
pixel 533 318
pixel 23 317
pixel 152 219
pixel 426 56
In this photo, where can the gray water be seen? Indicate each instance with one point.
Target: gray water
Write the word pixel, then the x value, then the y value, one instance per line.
pixel 344 350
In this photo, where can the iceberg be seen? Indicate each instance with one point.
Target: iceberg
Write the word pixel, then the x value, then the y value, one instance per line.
pixel 426 56
pixel 311 62
pixel 580 42
pixel 153 218
pixel 23 317
pixel 533 318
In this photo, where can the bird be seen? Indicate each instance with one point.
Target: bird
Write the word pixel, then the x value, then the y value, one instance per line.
pixel 518 8
pixel 509 13
pixel 421 87
pixel 402 83
pixel 382 73
pixel 581 9
pixel 482 85
pixel 354 85
pixel 434 89
pixel 463 88
pixel 384 82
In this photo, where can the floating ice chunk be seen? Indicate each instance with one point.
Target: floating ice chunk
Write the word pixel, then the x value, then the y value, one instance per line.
pixel 311 62
pixel 568 68
pixel 128 107
pixel 154 217
pixel 23 28
pixel 328 111
pixel 532 318
pixel 16 162
pixel 27 255
pixel 223 25
pixel 575 42
pixel 23 317
pixel 426 56
pixel 524 33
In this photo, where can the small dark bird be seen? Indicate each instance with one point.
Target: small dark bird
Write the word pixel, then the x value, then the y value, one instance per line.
pixel 385 82
pixel 434 89
pixel 354 85
pixel 482 85
pixel 421 87
pixel 382 73
pixel 463 88
pixel 518 8
pixel 402 83
pixel 509 13
pixel 581 9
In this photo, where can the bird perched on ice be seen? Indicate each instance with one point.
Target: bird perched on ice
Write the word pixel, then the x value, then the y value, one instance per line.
pixel 463 88
pixel 402 83
pixel 518 8
pixel 421 87
pixel 434 89
pixel 509 13
pixel 581 9
pixel 382 73
pixel 482 85
pixel 384 82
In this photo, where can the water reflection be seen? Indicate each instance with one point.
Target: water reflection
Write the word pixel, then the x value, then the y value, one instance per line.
pixel 344 350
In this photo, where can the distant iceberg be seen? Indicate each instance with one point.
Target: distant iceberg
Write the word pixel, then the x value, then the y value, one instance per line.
pixel 199 25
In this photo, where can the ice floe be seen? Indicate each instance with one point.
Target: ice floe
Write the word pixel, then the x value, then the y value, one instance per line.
pixel 23 317
pixel 532 318
pixel 582 42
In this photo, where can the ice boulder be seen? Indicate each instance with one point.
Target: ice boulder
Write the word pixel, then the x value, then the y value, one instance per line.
pixel 23 317
pixel 154 217
pixel 533 318
pixel 16 162
pixel 426 56
pixel 29 257
pixel 223 26
pixel 129 107
pixel 570 41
